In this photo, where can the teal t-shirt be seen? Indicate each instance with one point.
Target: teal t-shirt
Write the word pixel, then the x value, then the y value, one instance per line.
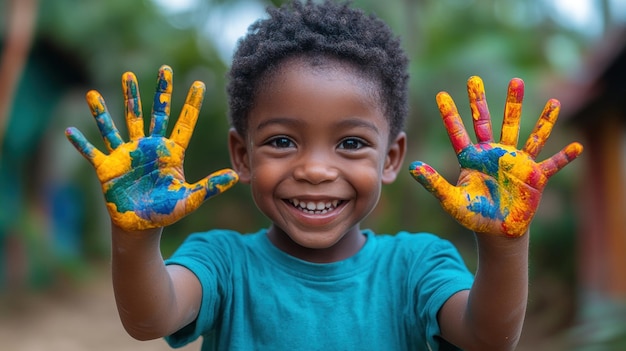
pixel 256 297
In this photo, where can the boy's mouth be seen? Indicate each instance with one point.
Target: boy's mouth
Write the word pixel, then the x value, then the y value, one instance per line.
pixel 315 207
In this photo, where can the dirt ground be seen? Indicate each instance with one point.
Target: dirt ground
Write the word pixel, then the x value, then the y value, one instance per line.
pixel 82 316
pixel 79 318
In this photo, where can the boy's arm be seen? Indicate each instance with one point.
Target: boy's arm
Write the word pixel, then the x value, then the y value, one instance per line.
pixel 496 196
pixel 153 300
pixel 490 315
pixel 145 190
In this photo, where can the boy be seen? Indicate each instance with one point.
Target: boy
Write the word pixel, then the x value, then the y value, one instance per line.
pixel 318 99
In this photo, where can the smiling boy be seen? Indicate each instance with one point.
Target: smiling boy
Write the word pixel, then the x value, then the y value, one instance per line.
pixel 318 100
pixel 316 169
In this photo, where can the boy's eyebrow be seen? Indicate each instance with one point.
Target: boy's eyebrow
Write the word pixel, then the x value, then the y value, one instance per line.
pixel 279 120
pixel 357 122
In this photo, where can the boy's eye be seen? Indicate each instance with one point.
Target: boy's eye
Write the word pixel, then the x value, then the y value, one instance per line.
pixel 281 142
pixel 351 144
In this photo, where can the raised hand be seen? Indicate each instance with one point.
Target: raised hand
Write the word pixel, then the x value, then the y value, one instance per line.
pixel 143 179
pixel 499 186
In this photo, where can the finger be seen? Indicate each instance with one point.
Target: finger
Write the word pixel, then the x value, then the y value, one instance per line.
pixel 93 155
pixel 132 106
pixel 453 123
pixel 480 110
pixel 431 180
pixel 212 185
pixel 220 181
pixel 109 132
pixel 162 102
pixel 561 159
pixel 543 128
pixel 183 129
pixel 512 113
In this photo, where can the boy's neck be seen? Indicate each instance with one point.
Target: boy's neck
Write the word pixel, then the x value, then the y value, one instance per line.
pixel 349 245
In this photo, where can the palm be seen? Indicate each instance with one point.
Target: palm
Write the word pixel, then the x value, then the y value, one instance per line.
pixel 489 193
pixel 142 179
pixel 499 187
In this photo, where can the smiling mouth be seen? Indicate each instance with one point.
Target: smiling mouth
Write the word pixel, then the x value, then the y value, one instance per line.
pixel 315 207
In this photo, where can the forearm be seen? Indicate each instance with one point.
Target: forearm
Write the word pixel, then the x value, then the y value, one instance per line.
pixel 497 301
pixel 144 290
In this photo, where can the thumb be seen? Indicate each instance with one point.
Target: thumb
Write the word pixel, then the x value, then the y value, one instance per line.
pixel 431 180
pixel 218 182
pixel 212 185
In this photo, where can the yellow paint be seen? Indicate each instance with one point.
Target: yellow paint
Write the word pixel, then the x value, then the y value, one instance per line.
pixel 476 93
pixel 114 165
pixel 512 113
pixel 95 102
pixel 543 128
pixel 186 123
pixel 133 108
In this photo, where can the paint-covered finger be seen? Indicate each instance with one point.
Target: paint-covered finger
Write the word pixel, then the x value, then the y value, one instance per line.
pixel 132 106
pixel 183 129
pixel 431 180
pixel 220 181
pixel 543 128
pixel 93 155
pixel 512 113
pixel 480 110
pixel 453 123
pixel 162 102
pixel 109 132
pixel 212 185
pixel 561 159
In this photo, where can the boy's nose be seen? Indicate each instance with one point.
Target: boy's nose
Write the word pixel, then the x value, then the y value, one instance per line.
pixel 315 169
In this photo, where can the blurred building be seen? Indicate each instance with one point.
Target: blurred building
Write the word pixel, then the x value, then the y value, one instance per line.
pixel 596 106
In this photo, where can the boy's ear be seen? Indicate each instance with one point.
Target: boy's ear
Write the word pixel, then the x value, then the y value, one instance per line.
pixel 239 155
pixel 394 159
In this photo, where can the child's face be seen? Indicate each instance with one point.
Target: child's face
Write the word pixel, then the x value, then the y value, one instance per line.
pixel 316 153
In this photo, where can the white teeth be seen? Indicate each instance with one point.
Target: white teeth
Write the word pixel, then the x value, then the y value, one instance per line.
pixel 315 207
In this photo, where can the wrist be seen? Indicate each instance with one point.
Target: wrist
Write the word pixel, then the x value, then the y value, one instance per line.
pixel 501 245
pixel 130 241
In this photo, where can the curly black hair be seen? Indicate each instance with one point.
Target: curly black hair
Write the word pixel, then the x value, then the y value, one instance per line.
pixel 318 30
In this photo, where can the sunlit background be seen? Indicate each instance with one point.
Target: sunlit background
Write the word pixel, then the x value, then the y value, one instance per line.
pixel 55 291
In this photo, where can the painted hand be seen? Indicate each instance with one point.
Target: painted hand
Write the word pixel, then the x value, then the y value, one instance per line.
pixel 499 186
pixel 143 180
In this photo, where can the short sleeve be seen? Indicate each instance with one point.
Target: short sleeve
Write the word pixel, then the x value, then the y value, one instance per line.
pixel 438 274
pixel 204 254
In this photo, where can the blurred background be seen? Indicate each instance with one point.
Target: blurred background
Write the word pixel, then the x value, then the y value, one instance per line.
pixel 55 291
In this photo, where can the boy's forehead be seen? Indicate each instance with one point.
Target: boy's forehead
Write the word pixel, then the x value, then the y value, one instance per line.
pixel 323 66
pixel 299 94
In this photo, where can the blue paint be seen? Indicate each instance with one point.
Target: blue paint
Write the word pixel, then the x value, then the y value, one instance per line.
pixel 212 188
pixel 160 123
pixel 482 158
pixel 159 108
pixel 108 130
pixel 131 86
pixel 484 206
pixel 159 113
pixel 145 178
pixel 80 142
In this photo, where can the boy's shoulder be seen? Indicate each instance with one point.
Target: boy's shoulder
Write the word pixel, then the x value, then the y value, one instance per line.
pixel 225 237
pixel 410 240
